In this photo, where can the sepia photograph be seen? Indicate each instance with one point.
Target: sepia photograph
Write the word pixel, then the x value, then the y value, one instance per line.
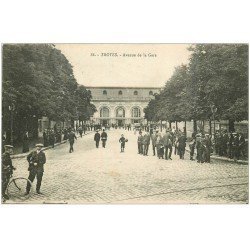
pixel 125 123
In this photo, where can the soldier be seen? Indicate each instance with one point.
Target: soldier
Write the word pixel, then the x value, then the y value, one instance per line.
pixel 139 143
pixel 97 139
pixel 104 137
pixel 7 169
pixel 146 142
pixel 181 142
pixel 167 141
pixel 122 140
pixel 153 139
pixel 72 138
pixel 36 160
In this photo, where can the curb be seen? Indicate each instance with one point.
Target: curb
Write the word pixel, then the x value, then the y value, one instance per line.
pixel 214 157
pixel 19 156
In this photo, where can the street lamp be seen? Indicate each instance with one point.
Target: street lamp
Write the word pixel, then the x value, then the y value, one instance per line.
pixel 11 109
pixel 214 110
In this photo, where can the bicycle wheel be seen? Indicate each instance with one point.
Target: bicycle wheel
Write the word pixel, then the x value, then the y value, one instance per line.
pixel 17 188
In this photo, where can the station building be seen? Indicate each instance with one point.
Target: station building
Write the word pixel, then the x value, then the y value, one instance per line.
pixel 121 105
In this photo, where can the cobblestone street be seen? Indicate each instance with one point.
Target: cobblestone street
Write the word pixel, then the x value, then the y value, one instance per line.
pixel 104 175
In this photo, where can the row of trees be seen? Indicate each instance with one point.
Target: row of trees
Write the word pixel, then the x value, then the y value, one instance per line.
pixel 216 79
pixel 38 81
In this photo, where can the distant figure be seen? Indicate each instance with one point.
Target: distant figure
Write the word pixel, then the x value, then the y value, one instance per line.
pixel 139 143
pixel 104 137
pixel 122 140
pixel 72 138
pixel 80 130
pixel 26 142
pixel 181 142
pixel 146 142
pixel 97 138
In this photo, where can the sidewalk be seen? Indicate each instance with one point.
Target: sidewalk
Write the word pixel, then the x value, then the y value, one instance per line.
pixel 23 155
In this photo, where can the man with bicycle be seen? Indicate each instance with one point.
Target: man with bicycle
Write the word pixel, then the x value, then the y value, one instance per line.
pixel 7 169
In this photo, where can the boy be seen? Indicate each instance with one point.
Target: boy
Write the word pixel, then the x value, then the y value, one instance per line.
pixel 122 140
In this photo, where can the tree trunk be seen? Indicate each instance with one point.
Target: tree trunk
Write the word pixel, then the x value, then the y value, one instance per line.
pixel 210 127
pixel 176 125
pixel 195 126
pixel 231 126
pixel 161 125
pixel 185 128
pixel 169 124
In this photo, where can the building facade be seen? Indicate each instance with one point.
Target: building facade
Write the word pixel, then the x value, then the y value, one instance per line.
pixel 121 105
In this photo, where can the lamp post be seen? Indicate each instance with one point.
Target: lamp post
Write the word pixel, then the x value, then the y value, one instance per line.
pixel 11 109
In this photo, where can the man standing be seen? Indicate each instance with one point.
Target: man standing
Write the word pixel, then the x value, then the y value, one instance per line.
pixel 36 160
pixel 207 148
pixel 167 141
pixel 104 137
pixel 72 138
pixel 139 143
pixel 97 139
pixel 146 142
pixel 7 169
pixel 181 145
pixel 153 138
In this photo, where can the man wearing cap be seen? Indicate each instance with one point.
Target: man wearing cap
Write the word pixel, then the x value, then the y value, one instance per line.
pixel 7 169
pixel 97 138
pixel 36 160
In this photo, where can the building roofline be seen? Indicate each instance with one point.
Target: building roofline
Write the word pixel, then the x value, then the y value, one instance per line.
pixel 111 87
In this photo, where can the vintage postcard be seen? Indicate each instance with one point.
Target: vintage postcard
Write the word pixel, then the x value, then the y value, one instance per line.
pixel 125 124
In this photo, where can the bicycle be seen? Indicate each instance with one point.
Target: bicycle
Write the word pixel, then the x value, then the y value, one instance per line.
pixel 16 188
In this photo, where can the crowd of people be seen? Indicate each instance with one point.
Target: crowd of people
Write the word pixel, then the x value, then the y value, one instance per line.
pixel 232 145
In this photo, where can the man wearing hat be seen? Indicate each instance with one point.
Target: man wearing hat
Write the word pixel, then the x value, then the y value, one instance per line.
pixel 104 137
pixel 153 138
pixel 97 138
pixel 7 169
pixel 36 160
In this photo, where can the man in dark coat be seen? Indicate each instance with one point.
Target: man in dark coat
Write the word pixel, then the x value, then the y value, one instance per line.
pixel 104 137
pixel 242 142
pixel 72 138
pixel 97 138
pixel 207 148
pixel 181 142
pixel 36 160
pixel 7 169
pixel 80 129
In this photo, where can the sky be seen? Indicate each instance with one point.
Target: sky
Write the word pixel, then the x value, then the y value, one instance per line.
pixel 124 65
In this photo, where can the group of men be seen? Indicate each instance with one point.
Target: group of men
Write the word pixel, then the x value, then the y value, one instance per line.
pixel 103 137
pixel 162 143
pixel 230 144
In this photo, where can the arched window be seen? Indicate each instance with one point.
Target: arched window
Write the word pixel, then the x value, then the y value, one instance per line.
pixel 104 92
pixel 104 112
pixel 150 92
pixel 120 112
pixel 136 112
pixel 136 92
pixel 120 92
